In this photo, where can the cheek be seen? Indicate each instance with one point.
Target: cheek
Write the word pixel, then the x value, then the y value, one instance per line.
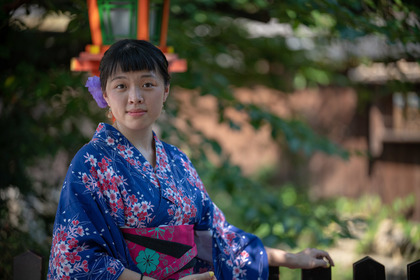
pixel 114 99
pixel 158 102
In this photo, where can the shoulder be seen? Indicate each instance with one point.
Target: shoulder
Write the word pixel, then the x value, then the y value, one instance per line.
pixel 175 153
pixel 169 148
pixel 89 150
pixel 103 142
pixel 179 158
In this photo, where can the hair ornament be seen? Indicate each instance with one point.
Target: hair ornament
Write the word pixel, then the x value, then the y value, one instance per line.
pixel 94 86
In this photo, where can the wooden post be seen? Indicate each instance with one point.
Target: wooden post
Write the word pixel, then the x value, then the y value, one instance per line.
pixel 143 20
pixel 94 22
pixel 273 273
pixel 27 266
pixel 164 28
pixel 368 268
pixel 318 273
pixel 413 270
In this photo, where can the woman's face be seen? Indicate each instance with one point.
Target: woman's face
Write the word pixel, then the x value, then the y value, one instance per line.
pixel 136 98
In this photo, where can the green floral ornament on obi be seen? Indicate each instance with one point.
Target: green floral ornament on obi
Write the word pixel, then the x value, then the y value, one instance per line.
pixel 147 260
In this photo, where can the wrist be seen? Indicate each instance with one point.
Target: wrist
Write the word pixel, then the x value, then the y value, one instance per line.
pixel 277 257
pixel 290 260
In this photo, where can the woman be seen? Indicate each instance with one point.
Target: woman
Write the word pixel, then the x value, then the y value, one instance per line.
pixel 133 207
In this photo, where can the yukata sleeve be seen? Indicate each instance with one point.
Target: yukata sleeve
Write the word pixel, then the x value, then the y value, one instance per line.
pixel 236 254
pixel 86 242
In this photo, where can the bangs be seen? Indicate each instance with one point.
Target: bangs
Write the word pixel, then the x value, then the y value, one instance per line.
pixel 131 59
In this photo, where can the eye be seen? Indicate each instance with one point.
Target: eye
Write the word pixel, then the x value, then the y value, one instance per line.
pixel 148 85
pixel 120 86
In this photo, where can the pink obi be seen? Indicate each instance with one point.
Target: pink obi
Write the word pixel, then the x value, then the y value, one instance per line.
pixel 166 252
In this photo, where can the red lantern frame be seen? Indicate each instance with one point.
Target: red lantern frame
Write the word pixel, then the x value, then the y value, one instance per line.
pixel 89 59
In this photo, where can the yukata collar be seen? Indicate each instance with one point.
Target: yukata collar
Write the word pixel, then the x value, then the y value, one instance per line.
pixel 105 130
pixel 112 136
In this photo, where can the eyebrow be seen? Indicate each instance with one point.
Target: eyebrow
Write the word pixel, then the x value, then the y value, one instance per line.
pixel 118 77
pixel 148 76
pixel 142 76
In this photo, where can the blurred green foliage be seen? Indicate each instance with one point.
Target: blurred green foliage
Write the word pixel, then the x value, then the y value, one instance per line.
pixel 370 214
pixel 42 104
pixel 280 214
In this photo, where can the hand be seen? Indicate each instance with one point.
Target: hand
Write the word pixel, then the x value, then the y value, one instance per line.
pixel 203 276
pixel 311 258
pixel 131 275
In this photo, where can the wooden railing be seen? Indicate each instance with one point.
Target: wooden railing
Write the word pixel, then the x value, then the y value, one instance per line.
pixel 366 268
pixel 28 266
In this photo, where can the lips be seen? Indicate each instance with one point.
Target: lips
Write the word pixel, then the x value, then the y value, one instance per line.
pixel 136 112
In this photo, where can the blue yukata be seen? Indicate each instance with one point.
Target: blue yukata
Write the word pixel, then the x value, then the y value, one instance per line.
pixel 111 187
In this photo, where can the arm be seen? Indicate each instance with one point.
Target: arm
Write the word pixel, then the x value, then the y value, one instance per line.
pixel 233 252
pixel 87 242
pixel 306 259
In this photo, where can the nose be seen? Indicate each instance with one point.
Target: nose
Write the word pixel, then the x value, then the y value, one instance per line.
pixel 135 96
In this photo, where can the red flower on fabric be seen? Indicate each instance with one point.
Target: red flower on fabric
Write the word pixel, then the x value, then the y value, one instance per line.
pixel 230 237
pixel 90 158
pixel 110 141
pixel 114 207
pixel 237 270
pixel 120 203
pixel 72 243
pixel 85 178
pixel 142 216
pixel 99 128
pixel 128 212
pixel 187 208
pixel 80 231
pixel 62 236
pixel 133 199
pixel 93 172
pixel 113 196
pixel 136 208
pixel 104 186
pixel 187 200
pixel 226 251
pixel 144 206
pixel 67 268
pixel 103 165
pixel 111 270
pixel 131 220
pixel 85 266
pixel 72 257
pixel 193 210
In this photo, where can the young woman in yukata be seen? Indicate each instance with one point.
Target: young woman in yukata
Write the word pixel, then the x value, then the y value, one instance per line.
pixel 134 207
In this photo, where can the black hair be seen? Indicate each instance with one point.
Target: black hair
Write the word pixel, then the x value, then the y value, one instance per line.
pixel 133 55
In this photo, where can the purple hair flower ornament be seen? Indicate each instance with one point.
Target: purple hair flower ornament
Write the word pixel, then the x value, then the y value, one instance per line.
pixel 94 86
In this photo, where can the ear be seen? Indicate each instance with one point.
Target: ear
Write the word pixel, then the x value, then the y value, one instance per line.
pixel 166 93
pixel 105 97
